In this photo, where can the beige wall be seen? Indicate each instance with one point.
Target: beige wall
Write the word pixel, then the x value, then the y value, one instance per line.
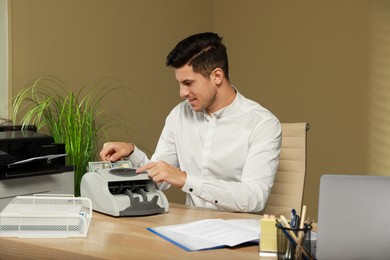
pixel 83 41
pixel 3 58
pixel 304 60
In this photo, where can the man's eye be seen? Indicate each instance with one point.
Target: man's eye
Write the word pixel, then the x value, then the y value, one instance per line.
pixel 187 83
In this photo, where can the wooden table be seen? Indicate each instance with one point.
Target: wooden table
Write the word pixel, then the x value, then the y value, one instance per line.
pixel 127 238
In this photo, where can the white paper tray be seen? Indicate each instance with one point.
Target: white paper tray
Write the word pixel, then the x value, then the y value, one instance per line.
pixel 46 216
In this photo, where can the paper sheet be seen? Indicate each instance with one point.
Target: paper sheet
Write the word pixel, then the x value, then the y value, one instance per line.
pixel 47 157
pixel 210 233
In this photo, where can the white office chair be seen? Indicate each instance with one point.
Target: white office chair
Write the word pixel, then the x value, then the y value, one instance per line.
pixel 287 192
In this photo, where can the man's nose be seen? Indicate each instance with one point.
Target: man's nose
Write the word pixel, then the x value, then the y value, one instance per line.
pixel 183 92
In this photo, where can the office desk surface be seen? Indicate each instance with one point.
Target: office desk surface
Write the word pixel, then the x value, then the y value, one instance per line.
pixel 127 238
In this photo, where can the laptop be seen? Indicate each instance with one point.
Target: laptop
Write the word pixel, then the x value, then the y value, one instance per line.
pixel 353 217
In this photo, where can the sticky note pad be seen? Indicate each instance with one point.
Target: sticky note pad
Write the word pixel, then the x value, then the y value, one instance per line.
pixel 267 242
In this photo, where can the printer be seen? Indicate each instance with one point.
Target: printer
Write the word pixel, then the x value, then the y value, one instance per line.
pixel 31 163
pixel 123 192
pixel 28 153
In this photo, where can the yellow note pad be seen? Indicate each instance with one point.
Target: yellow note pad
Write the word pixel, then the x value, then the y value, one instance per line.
pixel 267 242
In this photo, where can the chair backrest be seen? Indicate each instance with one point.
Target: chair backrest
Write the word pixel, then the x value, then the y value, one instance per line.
pixel 287 192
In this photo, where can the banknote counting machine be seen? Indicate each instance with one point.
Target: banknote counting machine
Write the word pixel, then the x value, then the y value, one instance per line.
pixel 123 192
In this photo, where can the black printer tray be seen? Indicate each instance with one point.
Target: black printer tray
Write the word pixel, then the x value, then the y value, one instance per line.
pixel 27 153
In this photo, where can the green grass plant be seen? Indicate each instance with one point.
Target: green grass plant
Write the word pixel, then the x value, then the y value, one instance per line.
pixel 75 119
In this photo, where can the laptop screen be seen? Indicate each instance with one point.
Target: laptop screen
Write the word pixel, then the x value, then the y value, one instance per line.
pixel 353 217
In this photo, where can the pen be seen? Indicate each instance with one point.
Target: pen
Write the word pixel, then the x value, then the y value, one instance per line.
pixel 293 223
pixel 293 218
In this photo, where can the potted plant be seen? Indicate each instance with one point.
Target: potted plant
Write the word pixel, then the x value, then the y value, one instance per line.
pixel 73 118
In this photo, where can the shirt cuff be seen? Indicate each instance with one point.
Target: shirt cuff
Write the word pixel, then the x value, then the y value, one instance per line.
pixel 192 185
pixel 136 157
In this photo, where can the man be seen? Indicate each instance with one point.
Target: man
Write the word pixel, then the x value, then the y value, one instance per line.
pixel 217 146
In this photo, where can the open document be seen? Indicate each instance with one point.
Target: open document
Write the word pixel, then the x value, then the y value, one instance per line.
pixel 210 233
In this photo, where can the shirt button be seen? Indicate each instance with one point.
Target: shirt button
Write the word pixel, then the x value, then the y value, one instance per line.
pixel 191 190
pixel 216 201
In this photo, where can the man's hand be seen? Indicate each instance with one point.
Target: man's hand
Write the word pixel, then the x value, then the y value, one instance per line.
pixel 162 171
pixel 114 151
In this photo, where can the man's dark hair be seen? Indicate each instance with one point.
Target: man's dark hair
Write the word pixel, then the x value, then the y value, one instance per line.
pixel 203 51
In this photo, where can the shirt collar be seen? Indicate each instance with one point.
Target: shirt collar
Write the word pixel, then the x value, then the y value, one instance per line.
pixel 229 109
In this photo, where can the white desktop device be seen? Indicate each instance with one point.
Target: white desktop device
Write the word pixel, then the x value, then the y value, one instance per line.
pixel 123 192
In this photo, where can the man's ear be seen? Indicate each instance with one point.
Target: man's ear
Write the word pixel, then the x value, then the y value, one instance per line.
pixel 217 76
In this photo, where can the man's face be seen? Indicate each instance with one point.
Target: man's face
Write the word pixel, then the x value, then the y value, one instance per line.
pixel 198 90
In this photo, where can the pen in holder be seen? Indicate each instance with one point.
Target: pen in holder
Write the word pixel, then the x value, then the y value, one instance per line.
pixel 293 243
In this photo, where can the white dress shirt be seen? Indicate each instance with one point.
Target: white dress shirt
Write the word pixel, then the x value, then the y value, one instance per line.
pixel 230 157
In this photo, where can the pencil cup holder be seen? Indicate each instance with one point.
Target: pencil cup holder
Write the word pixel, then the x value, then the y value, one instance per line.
pixel 293 243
